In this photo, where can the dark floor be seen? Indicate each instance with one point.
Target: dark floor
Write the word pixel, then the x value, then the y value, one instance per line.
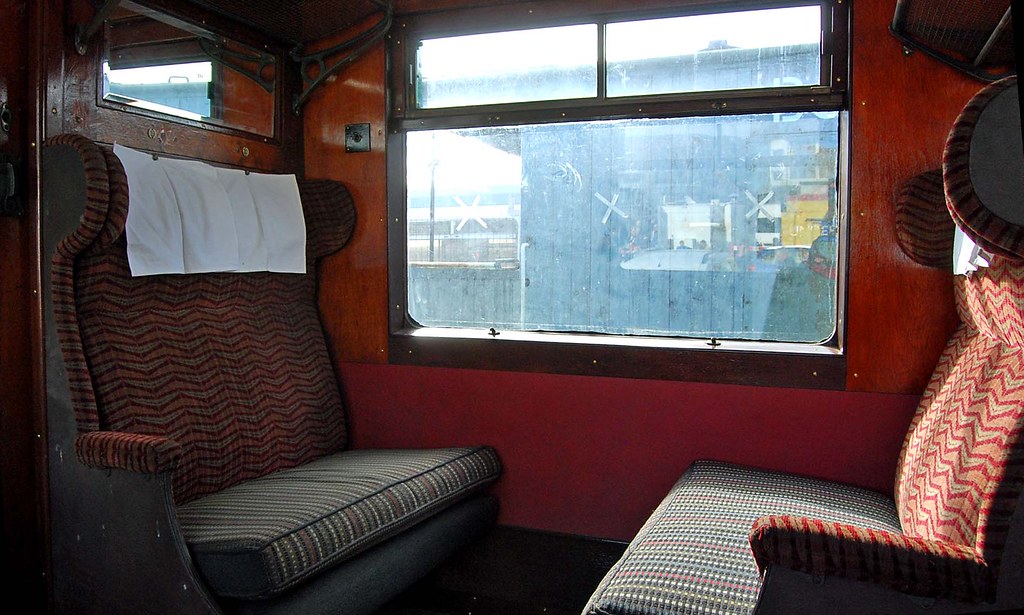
pixel 431 601
pixel 513 571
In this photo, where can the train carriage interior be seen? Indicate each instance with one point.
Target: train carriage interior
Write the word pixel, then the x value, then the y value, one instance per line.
pixel 511 307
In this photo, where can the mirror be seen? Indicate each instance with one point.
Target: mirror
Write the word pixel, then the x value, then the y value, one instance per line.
pixel 162 67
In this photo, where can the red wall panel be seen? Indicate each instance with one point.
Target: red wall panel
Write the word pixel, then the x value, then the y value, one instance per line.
pixel 594 456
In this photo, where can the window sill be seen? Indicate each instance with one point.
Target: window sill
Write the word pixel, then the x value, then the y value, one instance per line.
pixel 777 364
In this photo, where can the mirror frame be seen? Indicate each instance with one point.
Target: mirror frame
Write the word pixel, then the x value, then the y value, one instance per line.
pixel 161 12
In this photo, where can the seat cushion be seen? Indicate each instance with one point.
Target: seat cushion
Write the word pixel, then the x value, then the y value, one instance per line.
pixel 693 554
pixel 260 537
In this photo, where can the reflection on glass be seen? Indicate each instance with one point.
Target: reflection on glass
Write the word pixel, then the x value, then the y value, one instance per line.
pixel 725 51
pixel 176 89
pixel 506 67
pixel 694 227
pixel 154 67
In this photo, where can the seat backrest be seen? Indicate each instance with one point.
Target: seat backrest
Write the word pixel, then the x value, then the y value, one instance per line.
pixel 961 469
pixel 233 367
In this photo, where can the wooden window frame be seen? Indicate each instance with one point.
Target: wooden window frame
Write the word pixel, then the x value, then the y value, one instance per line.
pixel 777 364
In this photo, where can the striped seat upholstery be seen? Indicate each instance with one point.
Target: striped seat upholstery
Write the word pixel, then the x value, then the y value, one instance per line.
pixel 961 472
pixel 260 537
pixel 952 525
pixel 693 555
pixel 924 229
pixel 224 382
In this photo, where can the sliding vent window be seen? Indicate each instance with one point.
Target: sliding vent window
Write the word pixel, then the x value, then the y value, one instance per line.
pixel 727 51
pixel 507 67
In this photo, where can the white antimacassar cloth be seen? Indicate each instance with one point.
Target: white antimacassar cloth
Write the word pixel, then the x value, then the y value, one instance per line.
pixel 186 216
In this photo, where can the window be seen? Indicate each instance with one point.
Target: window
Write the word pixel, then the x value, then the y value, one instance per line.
pixel 183 90
pixel 657 180
pixel 155 66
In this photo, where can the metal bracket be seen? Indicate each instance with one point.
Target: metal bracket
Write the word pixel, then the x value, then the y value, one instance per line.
pixel 6 117
pixel 355 48
pixel 84 32
pixel 10 175
pixel 236 61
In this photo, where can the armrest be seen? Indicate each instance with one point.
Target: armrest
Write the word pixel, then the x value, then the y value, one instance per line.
pixel 907 564
pixel 127 451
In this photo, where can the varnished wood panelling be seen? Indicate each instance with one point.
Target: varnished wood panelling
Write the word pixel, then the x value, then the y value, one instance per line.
pixel 246 102
pixel 21 487
pixel 81 113
pixel 353 283
pixel 900 313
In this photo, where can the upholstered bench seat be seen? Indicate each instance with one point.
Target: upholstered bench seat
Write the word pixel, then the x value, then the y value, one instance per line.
pixel 260 537
pixel 693 555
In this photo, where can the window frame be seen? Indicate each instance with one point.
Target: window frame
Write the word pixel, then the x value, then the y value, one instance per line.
pixel 780 364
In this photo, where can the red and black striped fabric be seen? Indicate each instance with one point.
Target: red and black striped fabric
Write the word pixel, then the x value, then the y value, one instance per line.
pixel 98 201
pixel 693 554
pixel 924 228
pixel 232 368
pixel 285 527
pixel 985 228
pixel 931 568
pixel 127 451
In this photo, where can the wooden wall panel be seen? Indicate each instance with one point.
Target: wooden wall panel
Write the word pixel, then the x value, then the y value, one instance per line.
pixel 353 283
pixel 900 313
pixel 21 489
pixel 79 112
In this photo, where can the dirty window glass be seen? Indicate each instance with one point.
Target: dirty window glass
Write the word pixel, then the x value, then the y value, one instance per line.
pixel 183 90
pixel 507 67
pixel 721 51
pixel 695 227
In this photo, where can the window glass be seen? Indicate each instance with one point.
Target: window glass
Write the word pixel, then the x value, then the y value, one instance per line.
pixel 507 67
pixel 698 227
pixel 152 66
pixel 182 90
pixel 723 51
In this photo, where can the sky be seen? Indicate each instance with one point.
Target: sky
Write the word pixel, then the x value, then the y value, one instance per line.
pixel 501 52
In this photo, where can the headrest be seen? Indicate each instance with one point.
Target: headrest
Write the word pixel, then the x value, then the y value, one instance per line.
pixel 73 158
pixel 978 190
pixel 983 171
pixel 924 228
pixel 117 212
pixel 327 205
pixel 330 215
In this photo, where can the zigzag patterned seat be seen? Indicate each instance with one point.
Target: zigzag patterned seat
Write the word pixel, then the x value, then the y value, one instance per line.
pixel 736 540
pixel 223 383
